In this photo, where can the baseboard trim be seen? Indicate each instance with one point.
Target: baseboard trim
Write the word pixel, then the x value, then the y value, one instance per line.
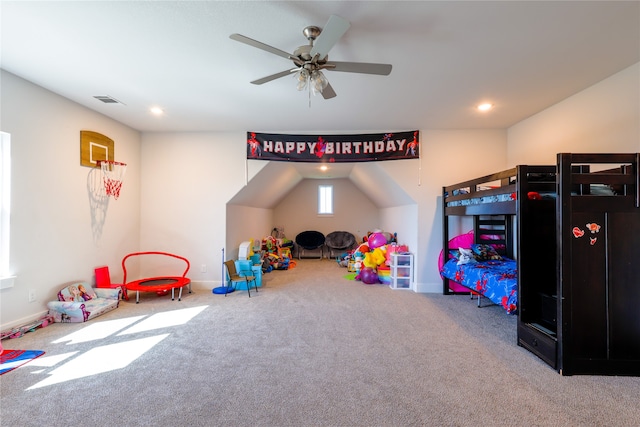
pixel 24 321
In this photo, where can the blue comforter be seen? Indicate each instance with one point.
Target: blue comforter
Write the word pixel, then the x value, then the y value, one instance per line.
pixel 496 280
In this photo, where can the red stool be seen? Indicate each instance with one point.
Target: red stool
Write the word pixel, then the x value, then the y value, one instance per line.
pixel 103 280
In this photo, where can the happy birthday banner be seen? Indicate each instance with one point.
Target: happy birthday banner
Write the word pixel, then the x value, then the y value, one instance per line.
pixel 333 148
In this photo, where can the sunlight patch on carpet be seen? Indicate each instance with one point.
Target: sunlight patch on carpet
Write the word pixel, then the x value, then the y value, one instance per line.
pixel 164 320
pixel 49 361
pixel 98 330
pixel 99 360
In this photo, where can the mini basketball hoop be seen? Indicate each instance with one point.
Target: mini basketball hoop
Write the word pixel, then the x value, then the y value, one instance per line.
pixel 112 175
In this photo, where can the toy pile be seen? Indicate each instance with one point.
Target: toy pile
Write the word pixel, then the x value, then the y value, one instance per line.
pixel 277 254
pixel 370 261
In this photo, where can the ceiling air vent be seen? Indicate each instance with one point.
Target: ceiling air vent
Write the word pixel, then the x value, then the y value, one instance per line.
pixel 107 99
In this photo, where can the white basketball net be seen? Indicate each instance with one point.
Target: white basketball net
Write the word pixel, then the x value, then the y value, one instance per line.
pixel 112 175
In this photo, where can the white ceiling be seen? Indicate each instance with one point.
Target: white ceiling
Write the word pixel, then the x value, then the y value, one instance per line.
pixel 446 57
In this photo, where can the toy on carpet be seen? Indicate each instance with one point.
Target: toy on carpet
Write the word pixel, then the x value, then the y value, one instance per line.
pixel 369 276
pixel 384 274
pixel 371 259
pixel 277 253
pixel 376 257
pixel 388 237
pixel 376 240
pixel 357 265
pixel 368 260
pixel 363 248
pixel 224 289
pixel 344 259
pixel 19 331
pixel 12 359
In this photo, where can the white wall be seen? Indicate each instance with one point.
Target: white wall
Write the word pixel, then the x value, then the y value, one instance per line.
pixel 188 179
pixel 245 223
pixel 404 222
pixel 55 234
pixel 353 211
pixel 601 119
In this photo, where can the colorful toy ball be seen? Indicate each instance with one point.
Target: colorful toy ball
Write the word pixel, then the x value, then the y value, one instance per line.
pixel 376 240
pixel 369 276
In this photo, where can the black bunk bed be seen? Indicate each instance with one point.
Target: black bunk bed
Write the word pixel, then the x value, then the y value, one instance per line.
pixel 577 226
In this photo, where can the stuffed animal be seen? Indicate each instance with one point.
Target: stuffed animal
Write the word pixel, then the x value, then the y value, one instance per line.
pixel 363 248
pixel 379 255
pixel 369 261
pixel 466 256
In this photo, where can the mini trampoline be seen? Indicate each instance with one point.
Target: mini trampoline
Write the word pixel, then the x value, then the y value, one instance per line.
pixel 160 284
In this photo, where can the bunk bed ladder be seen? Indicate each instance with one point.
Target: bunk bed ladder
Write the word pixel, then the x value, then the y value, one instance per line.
pixel 495 230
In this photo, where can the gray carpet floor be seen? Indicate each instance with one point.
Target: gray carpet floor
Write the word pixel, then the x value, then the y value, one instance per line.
pixel 311 348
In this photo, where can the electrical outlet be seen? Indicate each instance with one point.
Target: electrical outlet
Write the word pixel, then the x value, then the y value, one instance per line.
pixel 32 295
pixel 203 268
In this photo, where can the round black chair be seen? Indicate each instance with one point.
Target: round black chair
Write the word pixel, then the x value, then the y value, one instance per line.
pixel 308 241
pixel 339 241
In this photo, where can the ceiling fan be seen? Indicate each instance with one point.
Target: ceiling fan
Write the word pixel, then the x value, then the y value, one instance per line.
pixel 310 59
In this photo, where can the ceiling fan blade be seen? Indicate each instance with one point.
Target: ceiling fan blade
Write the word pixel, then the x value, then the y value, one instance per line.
pixel 334 29
pixel 274 76
pixel 359 67
pixel 328 92
pixel 251 42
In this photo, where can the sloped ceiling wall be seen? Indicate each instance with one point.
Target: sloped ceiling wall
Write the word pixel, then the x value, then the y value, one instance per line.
pixel 268 186
pixel 273 181
pixel 379 186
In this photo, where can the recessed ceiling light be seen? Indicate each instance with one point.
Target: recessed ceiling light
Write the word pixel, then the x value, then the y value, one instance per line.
pixel 485 107
pixel 324 168
pixel 156 110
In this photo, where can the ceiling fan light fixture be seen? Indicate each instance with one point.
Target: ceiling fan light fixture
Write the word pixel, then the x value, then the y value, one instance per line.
pixel 302 78
pixel 315 80
pixel 312 58
pixel 319 81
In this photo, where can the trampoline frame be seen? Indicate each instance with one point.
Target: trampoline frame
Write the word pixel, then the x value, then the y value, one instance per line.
pixel 138 285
